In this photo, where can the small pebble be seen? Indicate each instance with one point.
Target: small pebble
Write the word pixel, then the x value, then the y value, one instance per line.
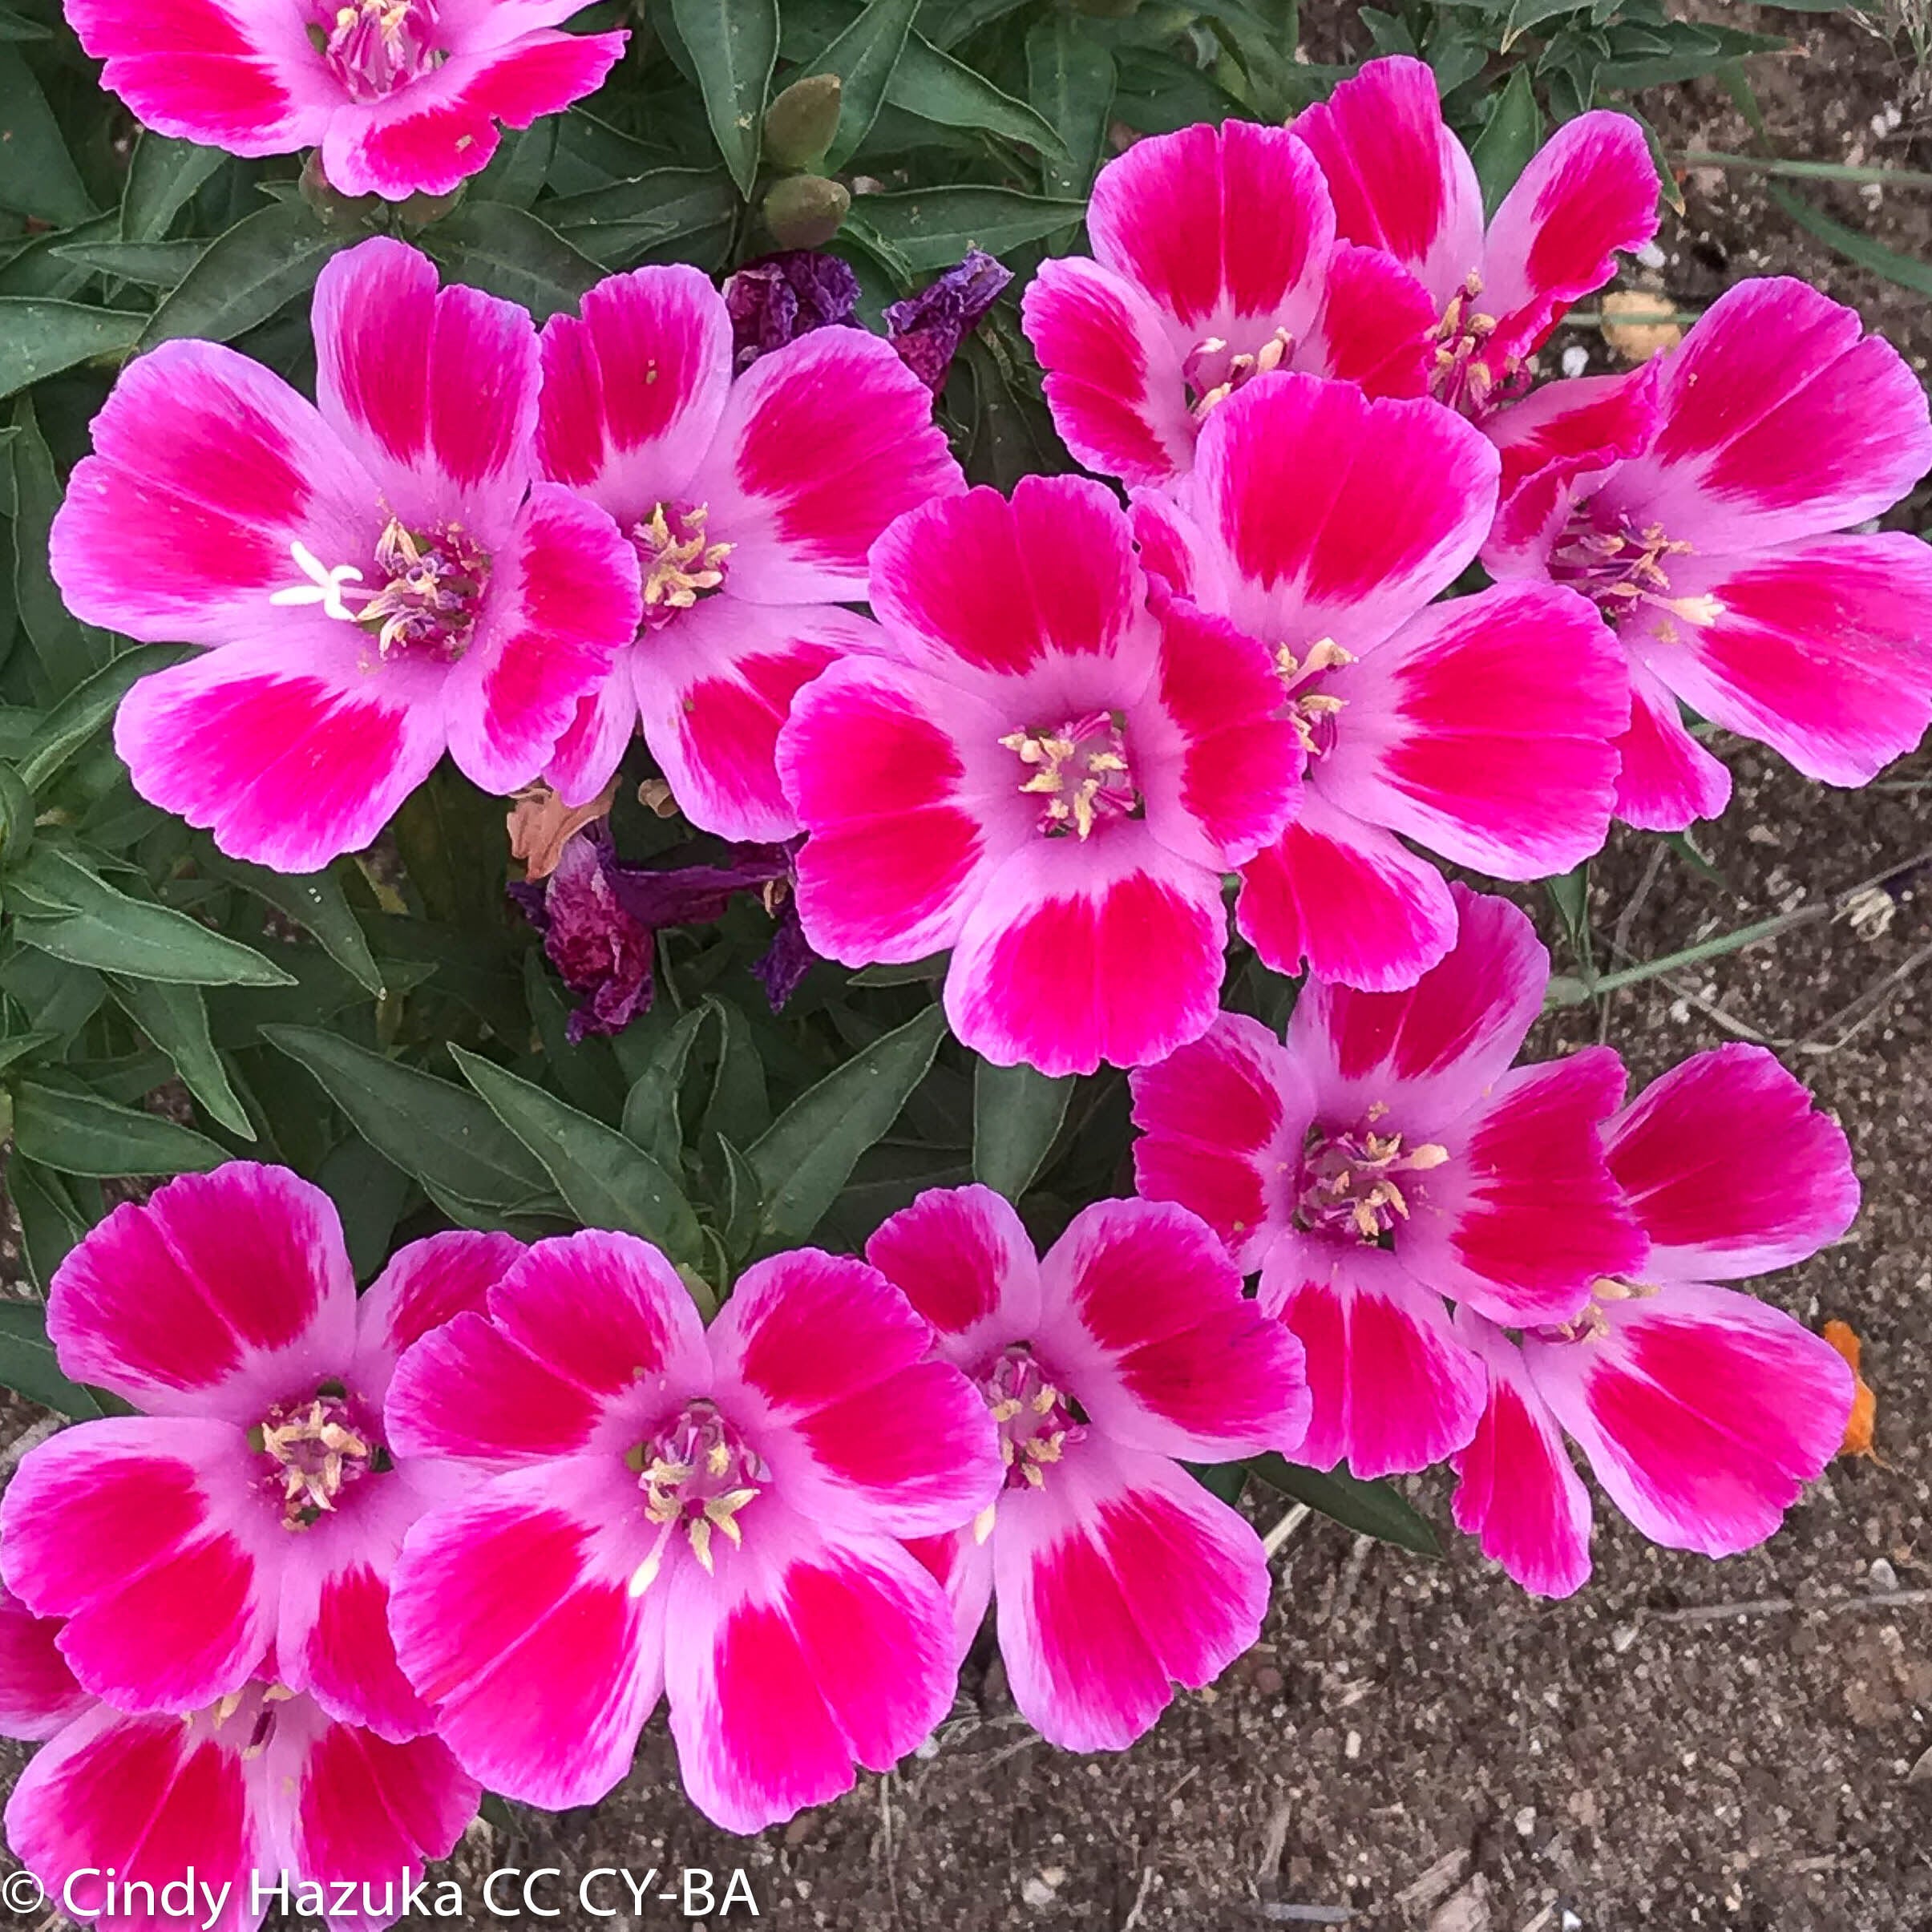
pixel 1884 1578
pixel 1576 359
pixel 1526 1821
pixel 1037 1892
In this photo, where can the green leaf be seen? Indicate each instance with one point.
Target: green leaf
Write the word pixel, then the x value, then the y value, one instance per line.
pixel 175 1019
pixel 606 1180
pixel 76 916
pixel 938 88
pixel 1016 1112
pixel 68 652
pixel 50 1222
pixel 370 1193
pixel 1503 149
pixel 1570 893
pixel 266 259
pixel 27 1364
pixel 82 1133
pixel 1526 14
pixel 734 46
pixel 163 178
pixel 315 902
pixel 40 337
pixel 1369 1509
pixel 1908 271
pixel 152 265
pixel 441 1134
pixel 738 1109
pixel 935 228
pixel 863 57
pixel 614 226
pixel 809 1152
pixel 520 166
pixel 19 1045
pixel 17 26
pixel 1069 76
pixel 947 23
pixel 508 251
pixel 37 177
pixel 85 709
pixel 650 1109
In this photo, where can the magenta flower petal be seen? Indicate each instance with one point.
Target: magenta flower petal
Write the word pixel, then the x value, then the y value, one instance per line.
pixel 1666 780
pixel 434 388
pixel 210 1297
pixel 289 763
pixel 963 1258
pixel 425 1284
pixel 1703 1412
pixel 147 1537
pixel 807 1657
pixel 1731 1168
pixel 1582 423
pixel 821 444
pixel 513 1618
pixel 634 388
pixel 1222 1120
pixel 1588 195
pixel 874 1437
pixel 1401 182
pixel 1092 1631
pixel 1445 737
pixel 1391 1387
pixel 1376 327
pixel 38 1693
pixel 1516 1492
pixel 1146 1316
pixel 1346 899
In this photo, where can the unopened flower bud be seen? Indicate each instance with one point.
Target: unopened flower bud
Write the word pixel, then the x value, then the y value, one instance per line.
pixel 338 212
pixel 804 211
pixel 801 124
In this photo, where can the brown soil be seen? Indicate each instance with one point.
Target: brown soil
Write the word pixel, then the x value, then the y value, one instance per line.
pixel 1419 1744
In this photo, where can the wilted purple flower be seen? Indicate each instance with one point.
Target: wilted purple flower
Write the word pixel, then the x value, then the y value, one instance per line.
pixel 927 329
pixel 600 919
pixel 779 298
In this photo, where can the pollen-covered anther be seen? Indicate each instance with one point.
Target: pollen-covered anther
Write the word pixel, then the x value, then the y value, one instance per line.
pixel 316 1449
pixel 1213 373
pixel 1035 1417
pixel 697 1473
pixel 681 562
pixel 1312 711
pixel 1349 1184
pixel 374 47
pixel 1082 771
pixel 1620 567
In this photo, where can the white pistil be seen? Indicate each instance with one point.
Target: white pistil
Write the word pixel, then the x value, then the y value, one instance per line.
pixel 324 585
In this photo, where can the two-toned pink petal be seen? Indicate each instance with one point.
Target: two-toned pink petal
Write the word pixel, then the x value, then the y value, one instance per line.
pixel 1391 1388
pixel 1376 327
pixel 38 1694
pixel 1703 1412
pixel 964 1260
pixel 1145 1319
pixel 1516 1492
pixel 1092 1632
pixel 1666 779
pixel 214 1297
pixel 425 1284
pixel 1077 953
pixel 1731 1168
pixel 1222 1121
pixel 634 387
pixel 1486 729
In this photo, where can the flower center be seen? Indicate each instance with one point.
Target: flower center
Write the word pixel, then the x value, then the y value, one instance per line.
pixel 374 47
pixel 1348 1184
pixel 1213 371
pixel 1592 1325
pixel 1469 376
pixel 432 590
pixel 314 1450
pixel 1079 771
pixel 1035 1420
pixel 696 1474
pixel 256 1705
pixel 681 562
pixel 1312 711
pixel 1620 567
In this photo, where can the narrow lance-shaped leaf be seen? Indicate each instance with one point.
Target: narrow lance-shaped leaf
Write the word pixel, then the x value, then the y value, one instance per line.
pixel 82 1133
pixel 1069 74
pixel 163 178
pixel 86 709
pixel 441 1133
pixel 40 337
pixel 51 1223
pixel 175 1019
pixel 1369 1509
pixel 508 251
pixel 29 1368
pixel 863 57
pixel 734 45
pixel 650 1109
pixel 67 650
pixel 606 1180
pixel 315 902
pixel 808 1154
pixel 266 259
pixel 37 177
pixel 938 88
pixel 1503 149
pixel 1016 1112
pixel 933 228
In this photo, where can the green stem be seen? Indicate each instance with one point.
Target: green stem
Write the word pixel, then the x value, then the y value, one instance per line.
pixel 1808 171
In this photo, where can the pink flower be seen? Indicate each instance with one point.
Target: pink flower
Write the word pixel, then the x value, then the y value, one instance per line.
pixel 750 503
pixel 1127 1346
pixel 263 1787
pixel 1215 260
pixel 1385 1157
pixel 1323 523
pixel 1698 503
pixel 1051 782
pixel 244 1525
pixel 657 1508
pixel 400 96
pixel 379 577
pixel 1404 184
pixel 1701 1411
